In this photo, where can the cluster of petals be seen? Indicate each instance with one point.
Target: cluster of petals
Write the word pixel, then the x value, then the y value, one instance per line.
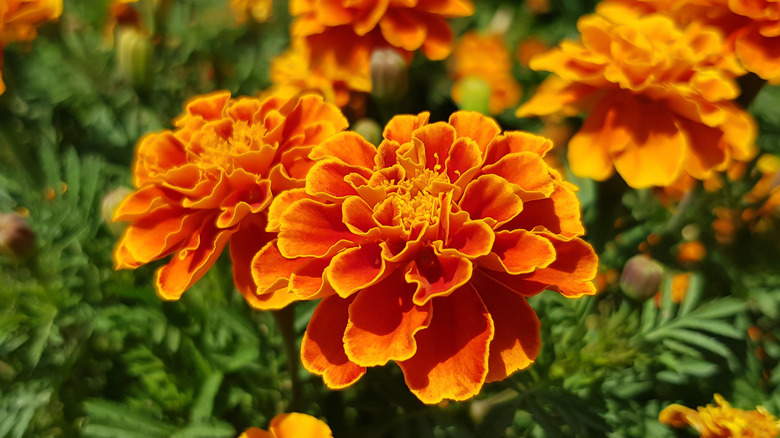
pixel 424 250
pixel 210 181
pixel 486 57
pixel 659 97
pixel 292 425
pixel 19 19
pixel 751 28
pixel 292 74
pixel 341 34
pixel 722 421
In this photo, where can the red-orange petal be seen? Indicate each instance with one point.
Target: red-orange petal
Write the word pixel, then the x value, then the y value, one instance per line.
pixel 604 129
pixel 349 147
pixel 519 252
pixel 491 196
pixel 326 179
pixel 559 214
pixel 312 229
pixel 400 128
pixel 356 268
pixel 382 323
pixel 478 127
pixel 452 353
pixel 516 141
pixel 437 274
pixel 572 272
pixel 322 348
pixel 248 240
pixel 526 169
pixel 296 425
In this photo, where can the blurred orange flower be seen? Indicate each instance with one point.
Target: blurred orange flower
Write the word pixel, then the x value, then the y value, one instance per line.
pixel 18 20
pixel 722 421
pixel 767 189
pixel 424 251
pixel 293 425
pixel 751 29
pixel 485 56
pixel 210 181
pixel 259 10
pixel 342 34
pixel 291 74
pixel 659 99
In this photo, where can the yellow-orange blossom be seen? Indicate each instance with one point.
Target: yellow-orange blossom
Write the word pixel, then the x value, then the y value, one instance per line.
pixel 424 251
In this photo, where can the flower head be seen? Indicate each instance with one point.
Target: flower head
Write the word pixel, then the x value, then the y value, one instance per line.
pixel 659 97
pixel 751 29
pixel 293 425
pixel 486 57
pixel 210 181
pixel 722 421
pixel 424 251
pixel 259 10
pixel 19 18
pixel 343 33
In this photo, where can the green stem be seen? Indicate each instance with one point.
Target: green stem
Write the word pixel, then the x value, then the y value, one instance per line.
pixel 750 85
pixel 285 321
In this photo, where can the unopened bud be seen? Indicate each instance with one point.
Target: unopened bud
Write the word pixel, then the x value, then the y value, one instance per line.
pixel 369 129
pixel 473 94
pixel 641 277
pixel 17 238
pixel 389 75
pixel 110 202
pixel 134 55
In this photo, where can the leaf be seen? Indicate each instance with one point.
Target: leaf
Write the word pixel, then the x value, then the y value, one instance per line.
pixel 203 407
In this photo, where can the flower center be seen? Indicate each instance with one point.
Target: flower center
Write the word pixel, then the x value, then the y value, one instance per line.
pixel 218 144
pixel 417 199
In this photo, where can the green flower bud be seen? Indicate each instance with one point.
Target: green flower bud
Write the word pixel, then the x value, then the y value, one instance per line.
pixel 109 204
pixel 389 77
pixel 134 55
pixel 641 277
pixel 369 129
pixel 475 94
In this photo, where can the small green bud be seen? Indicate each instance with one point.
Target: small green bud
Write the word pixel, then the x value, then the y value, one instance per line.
pixel 475 94
pixel 134 56
pixel 109 204
pixel 389 75
pixel 641 277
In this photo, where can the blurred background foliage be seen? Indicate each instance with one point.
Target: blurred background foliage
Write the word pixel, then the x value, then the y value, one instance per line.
pixel 86 351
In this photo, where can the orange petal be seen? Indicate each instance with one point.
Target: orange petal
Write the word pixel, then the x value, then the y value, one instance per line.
pixel 248 240
pixel 155 154
pixel 311 229
pixel 526 169
pixel 356 268
pixel 463 162
pixel 519 252
pixel 326 179
pixel 254 432
pixel 358 216
pixel 559 214
pixel 209 106
pixel 516 141
pixel 490 196
pixel 760 54
pixel 271 273
pixel 400 128
pixel 604 130
pixel 447 8
pixel 295 425
pixel 436 274
pixel 452 353
pixel 573 270
pixel 438 41
pixel 382 323
pixel 349 147
pixel 403 29
pixel 517 340
pixel 191 262
pixel 155 236
pixel 141 203
pixel 472 239
pixel 705 151
pixel 322 348
pixel 556 95
pixel 656 150
pixel 437 139
pixel 280 204
pixel 308 280
pixel 480 128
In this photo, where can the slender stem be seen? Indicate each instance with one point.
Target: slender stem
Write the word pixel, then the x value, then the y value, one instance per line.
pixel 750 85
pixel 285 321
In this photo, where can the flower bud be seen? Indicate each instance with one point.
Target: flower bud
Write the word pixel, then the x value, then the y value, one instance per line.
pixel 134 55
pixel 389 78
pixel 110 202
pixel 17 238
pixel 474 94
pixel 641 277
pixel 369 129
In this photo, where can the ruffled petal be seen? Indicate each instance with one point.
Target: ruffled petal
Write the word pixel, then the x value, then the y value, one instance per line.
pixel 526 169
pixel 312 229
pixel 356 268
pixel 452 353
pixel 519 252
pixel 349 147
pixel 478 127
pixel 573 270
pixel 295 425
pixel 491 197
pixel 437 275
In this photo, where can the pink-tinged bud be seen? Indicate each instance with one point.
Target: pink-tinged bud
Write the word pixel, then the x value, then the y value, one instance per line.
pixel 369 129
pixel 641 277
pixel 17 238
pixel 110 202
pixel 389 75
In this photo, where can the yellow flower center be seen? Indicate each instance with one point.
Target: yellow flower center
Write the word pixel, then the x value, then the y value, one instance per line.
pixel 217 144
pixel 417 199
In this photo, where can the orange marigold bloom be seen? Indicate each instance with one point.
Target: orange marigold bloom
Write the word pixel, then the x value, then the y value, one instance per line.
pixel 424 251
pixel 660 101
pixel 293 425
pixel 211 180
pixel 486 56
pixel 722 421
pixel 693 251
pixel 259 10
pixel 292 74
pixel 343 33
pixel 18 20
pixel 751 28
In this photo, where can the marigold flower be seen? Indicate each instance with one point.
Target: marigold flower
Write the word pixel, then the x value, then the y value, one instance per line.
pixel 485 56
pixel 659 99
pixel 424 251
pixel 691 252
pixel 293 425
pixel 722 421
pixel 343 33
pixel 259 10
pixel 751 28
pixel 211 180
pixel 18 20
